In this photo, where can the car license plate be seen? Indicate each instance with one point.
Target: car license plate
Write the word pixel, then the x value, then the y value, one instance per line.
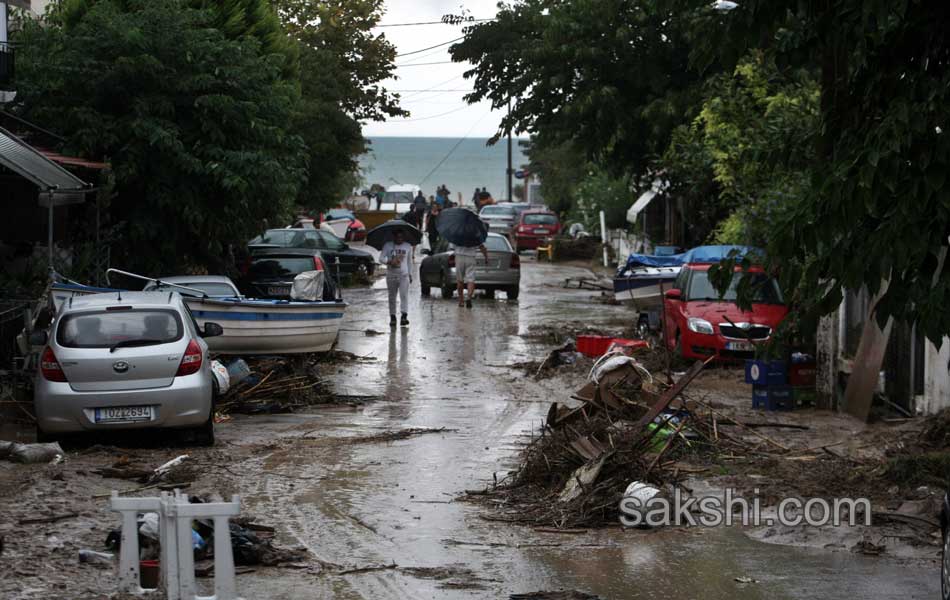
pixel 123 414
pixel 740 346
pixel 541 231
pixel 278 290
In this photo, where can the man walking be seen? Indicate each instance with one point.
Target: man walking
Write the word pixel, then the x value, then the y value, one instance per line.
pixel 465 258
pixel 397 256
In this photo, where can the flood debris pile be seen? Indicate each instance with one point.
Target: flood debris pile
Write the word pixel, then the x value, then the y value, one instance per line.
pixel 575 473
pixel 276 384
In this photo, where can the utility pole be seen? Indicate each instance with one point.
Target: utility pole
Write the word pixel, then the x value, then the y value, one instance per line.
pixel 510 171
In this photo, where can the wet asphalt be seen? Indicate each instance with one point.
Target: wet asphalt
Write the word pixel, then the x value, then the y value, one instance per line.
pixel 386 511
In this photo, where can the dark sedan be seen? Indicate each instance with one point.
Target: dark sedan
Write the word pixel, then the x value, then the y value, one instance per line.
pixel 331 248
pixel 271 272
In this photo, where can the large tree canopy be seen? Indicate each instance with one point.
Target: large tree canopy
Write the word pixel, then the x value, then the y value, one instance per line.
pixel 196 125
pixel 880 203
pixel 343 63
pixel 610 76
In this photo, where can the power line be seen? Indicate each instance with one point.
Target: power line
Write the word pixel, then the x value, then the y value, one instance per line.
pixel 457 144
pixel 432 23
pixel 429 90
pixel 431 116
pixel 426 64
pixel 431 47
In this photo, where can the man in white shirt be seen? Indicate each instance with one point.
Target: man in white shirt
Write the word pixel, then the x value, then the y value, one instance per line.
pixel 465 257
pixel 397 256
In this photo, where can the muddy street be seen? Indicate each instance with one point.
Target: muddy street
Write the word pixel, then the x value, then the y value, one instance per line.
pixel 372 490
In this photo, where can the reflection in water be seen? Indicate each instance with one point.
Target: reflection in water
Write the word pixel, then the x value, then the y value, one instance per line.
pixel 398 367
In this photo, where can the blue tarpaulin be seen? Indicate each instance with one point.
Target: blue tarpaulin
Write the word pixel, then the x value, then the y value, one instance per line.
pixel 714 254
pixel 647 260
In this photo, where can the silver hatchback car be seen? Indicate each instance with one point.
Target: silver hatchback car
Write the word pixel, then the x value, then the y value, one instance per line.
pixel 501 272
pixel 123 361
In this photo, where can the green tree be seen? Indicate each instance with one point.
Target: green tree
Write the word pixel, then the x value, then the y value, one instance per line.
pixel 561 168
pixel 879 207
pixel 611 77
pixel 599 191
pixel 343 63
pixel 198 131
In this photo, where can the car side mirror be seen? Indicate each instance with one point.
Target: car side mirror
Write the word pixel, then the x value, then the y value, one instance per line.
pixel 212 330
pixel 39 338
pixel 674 294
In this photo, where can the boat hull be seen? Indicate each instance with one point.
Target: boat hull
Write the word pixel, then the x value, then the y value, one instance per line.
pixel 270 327
pixel 644 287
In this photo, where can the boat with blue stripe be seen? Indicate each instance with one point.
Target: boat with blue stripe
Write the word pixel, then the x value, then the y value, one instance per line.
pixel 251 326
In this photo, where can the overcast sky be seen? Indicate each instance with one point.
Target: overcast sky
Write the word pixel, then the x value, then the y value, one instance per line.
pixel 434 113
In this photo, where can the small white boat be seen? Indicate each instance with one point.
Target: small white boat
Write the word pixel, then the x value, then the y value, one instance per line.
pixel 269 326
pixel 643 278
pixel 644 286
pixel 250 326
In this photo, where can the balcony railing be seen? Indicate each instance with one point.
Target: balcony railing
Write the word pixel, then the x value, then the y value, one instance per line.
pixel 6 64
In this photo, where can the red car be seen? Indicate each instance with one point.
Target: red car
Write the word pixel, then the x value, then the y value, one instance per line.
pixel 697 323
pixel 533 226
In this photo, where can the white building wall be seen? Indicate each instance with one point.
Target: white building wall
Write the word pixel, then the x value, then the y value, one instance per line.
pixel 936 378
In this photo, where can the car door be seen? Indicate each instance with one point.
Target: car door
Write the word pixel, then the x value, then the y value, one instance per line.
pixel 334 248
pixel 673 309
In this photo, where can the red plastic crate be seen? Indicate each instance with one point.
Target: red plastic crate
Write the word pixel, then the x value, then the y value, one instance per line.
pixel 593 345
pixel 802 374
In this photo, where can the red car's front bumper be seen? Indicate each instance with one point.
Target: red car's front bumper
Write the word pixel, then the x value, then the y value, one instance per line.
pixel 528 241
pixel 700 346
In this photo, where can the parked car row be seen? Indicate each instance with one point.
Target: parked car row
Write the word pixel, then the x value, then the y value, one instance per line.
pixel 525 225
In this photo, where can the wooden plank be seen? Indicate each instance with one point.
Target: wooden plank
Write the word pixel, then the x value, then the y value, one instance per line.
pixel 666 398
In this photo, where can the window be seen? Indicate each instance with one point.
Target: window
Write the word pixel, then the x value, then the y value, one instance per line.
pixel 497 244
pixel 103 329
pixel 497 211
pixel 275 266
pixel 539 219
pixel 330 241
pixel 765 289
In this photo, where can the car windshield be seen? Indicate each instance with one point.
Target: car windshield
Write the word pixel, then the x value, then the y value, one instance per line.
pixel 105 329
pixel 765 288
pixel 498 211
pixel 209 287
pixel 497 243
pixel 398 197
pixel 299 238
pixel 539 219
pixel 338 213
pixel 280 266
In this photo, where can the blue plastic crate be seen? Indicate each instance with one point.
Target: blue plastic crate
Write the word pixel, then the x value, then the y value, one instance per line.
pixel 766 372
pixel 773 397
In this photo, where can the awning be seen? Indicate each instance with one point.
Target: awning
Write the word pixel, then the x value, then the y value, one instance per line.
pixel 645 198
pixel 21 158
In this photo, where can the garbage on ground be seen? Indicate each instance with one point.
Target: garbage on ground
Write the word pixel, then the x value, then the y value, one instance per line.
pixel 238 371
pixel 96 558
pixel 32 453
pixel 272 384
pixel 221 376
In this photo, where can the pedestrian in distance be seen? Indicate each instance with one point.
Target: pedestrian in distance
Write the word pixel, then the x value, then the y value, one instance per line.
pixel 397 255
pixel 419 200
pixel 431 222
pixel 476 196
pixel 465 260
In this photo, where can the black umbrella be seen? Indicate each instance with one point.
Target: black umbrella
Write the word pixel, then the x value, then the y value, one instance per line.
pixel 379 235
pixel 462 227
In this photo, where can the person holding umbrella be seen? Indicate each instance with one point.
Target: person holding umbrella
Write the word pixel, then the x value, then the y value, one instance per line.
pixel 395 240
pixel 467 234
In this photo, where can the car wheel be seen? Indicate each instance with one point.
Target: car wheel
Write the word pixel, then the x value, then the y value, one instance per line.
pixel 204 434
pixel 447 288
pixel 513 292
pixel 643 328
pixel 490 293
pixel 362 271
pixel 426 290
pixel 678 345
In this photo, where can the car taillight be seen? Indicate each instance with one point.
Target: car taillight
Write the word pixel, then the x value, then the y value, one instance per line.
pixel 515 261
pixel 50 368
pixel 451 261
pixel 191 361
pixel 318 264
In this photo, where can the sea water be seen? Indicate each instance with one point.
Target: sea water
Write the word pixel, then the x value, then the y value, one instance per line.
pixel 416 160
